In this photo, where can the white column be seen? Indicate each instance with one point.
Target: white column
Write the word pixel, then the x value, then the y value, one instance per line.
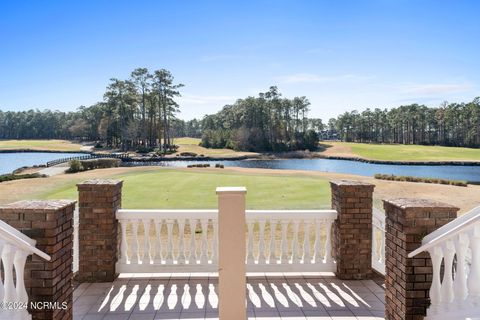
pixel 232 250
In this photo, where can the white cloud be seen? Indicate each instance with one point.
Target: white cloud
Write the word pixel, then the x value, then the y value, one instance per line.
pixel 198 99
pixel 313 78
pixel 436 88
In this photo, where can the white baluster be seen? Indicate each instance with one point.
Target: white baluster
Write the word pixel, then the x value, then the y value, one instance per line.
pixel 2 289
pixel 375 254
pixel 261 243
pixel 204 252
pixel 124 246
pixel 272 258
pixel 436 255
pixel 460 282
pixel 8 254
pixel 158 245
pixel 146 242
pixel 181 237
pixel 135 244
pixel 317 244
pixel 295 258
pixel 284 244
pixel 192 258
pixel 328 241
pixel 19 263
pixel 382 242
pixel 447 283
pixel 473 282
pixel 250 258
pixel 169 258
pixel 215 242
pixel 307 257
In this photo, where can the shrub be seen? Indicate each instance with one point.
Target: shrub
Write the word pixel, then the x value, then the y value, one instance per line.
pixel 416 179
pixel 188 154
pixel 75 166
pixel 143 149
pixel 199 165
pixel 90 164
pixel 10 176
pixel 107 163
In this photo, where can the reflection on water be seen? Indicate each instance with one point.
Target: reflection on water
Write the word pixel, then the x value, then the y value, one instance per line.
pixel 469 173
pixel 12 161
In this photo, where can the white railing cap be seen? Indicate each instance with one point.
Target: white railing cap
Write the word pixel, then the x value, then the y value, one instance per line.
pixel 449 230
pixel 231 190
pixel 13 237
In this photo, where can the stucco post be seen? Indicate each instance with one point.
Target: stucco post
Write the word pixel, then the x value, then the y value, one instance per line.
pixel 231 253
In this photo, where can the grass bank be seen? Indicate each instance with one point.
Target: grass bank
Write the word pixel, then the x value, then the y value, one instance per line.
pixel 399 152
pixel 186 144
pixel 40 145
pixel 170 188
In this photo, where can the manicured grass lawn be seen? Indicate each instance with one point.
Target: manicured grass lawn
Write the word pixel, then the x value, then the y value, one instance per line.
pixel 187 144
pixel 410 152
pixel 54 145
pixel 173 189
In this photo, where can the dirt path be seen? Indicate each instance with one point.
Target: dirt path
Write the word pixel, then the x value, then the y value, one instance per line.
pixel 465 198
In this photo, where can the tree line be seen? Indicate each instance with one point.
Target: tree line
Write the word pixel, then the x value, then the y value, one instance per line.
pixel 139 112
pixel 268 122
pixel 454 124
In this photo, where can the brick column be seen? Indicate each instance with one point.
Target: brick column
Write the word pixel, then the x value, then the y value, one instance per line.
pixel 408 280
pixel 50 223
pixel 98 227
pixel 352 228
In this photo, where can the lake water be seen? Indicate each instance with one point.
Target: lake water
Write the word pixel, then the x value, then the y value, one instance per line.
pixel 468 173
pixel 12 161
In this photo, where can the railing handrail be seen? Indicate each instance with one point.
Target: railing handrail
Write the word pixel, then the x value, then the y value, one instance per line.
pixel 213 213
pixel 449 230
pixel 87 157
pixel 16 238
pixel 165 213
pixel 378 215
pixel 299 214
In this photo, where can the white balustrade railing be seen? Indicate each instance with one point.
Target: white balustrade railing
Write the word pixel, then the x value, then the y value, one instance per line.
pixel 15 247
pixel 455 289
pixel 187 240
pixel 76 248
pixel 378 241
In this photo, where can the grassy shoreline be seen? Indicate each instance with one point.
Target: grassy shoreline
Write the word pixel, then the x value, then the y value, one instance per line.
pixel 363 152
pixel 273 193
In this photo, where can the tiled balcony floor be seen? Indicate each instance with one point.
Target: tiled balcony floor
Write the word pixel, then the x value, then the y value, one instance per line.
pixel 270 296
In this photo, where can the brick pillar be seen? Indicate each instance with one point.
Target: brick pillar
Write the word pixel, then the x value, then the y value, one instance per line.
pixel 50 223
pixel 98 227
pixel 352 228
pixel 408 280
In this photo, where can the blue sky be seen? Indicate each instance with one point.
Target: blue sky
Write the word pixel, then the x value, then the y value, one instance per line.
pixel 340 54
